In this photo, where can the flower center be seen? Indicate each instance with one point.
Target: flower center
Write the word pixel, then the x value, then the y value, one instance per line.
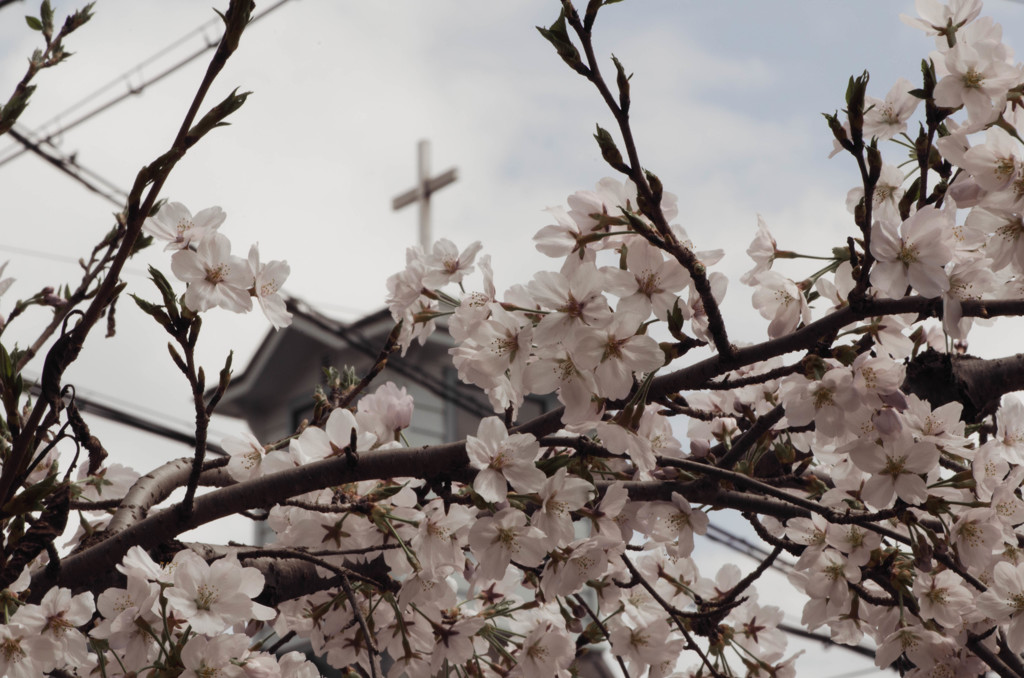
pixel 908 255
pixel 822 398
pixel 206 596
pixel 572 307
pixel 10 648
pixel 268 288
pixel 217 274
pixel 647 283
pixel 973 79
pixel 894 466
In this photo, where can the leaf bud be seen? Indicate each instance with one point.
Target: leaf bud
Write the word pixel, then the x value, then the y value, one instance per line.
pixel 622 82
pixel 609 151
pixel 855 93
pixel 874 162
pixel 838 131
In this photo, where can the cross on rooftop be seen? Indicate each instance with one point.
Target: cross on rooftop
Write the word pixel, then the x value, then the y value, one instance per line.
pixel 425 185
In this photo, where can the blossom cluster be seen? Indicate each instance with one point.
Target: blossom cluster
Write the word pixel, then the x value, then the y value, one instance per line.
pixel 464 571
pixel 176 619
pixel 216 278
pixel 585 331
pixel 902 514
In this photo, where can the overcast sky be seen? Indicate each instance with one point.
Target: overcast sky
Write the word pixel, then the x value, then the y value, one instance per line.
pixel 727 103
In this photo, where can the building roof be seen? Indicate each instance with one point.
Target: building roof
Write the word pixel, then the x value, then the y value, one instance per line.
pixel 282 351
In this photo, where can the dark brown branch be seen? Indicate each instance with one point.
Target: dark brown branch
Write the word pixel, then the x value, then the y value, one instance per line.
pixel 740 382
pixel 161 527
pixel 975 645
pixel 151 489
pixel 752 577
pixel 746 442
pixel 187 338
pixel 755 485
pixel 66 349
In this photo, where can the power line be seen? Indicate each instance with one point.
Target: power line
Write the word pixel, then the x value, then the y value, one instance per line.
pixel 130 91
pixel 61 258
pixel 125 77
pixel 89 405
pixel 68 166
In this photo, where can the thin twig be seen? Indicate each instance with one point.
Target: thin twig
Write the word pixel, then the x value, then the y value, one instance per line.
pixel 371 647
pixel 346 585
pixel 281 642
pixel 378 366
pixel 604 630
pixel 754 575
pixel 651 204
pixel 673 613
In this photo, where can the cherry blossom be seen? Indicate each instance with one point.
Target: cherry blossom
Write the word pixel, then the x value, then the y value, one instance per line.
pixel 503 459
pixel 215 277
pixel 56 618
pixel 204 656
pixel 572 565
pixel 454 642
pixel 559 495
pixel 650 282
pixel 445 264
pixel 674 521
pixel 615 353
pixel 995 163
pixel 213 597
pixel 778 299
pixel 896 466
pixel 762 250
pixel 644 644
pixel 885 199
pixel 937 17
pixel 246 455
pixel 174 223
pixel 497 540
pixel 337 436
pixel 546 651
pixel 978 79
pixel 887 118
pixel 267 281
pixel 943 597
pixel 24 653
pixel 441 535
pixel 576 299
pixel 1001 602
pixel 915 256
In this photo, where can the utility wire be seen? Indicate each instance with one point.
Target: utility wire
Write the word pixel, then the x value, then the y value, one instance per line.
pixel 73 170
pixel 88 405
pixel 747 548
pixel 62 258
pixel 130 91
pixel 124 78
